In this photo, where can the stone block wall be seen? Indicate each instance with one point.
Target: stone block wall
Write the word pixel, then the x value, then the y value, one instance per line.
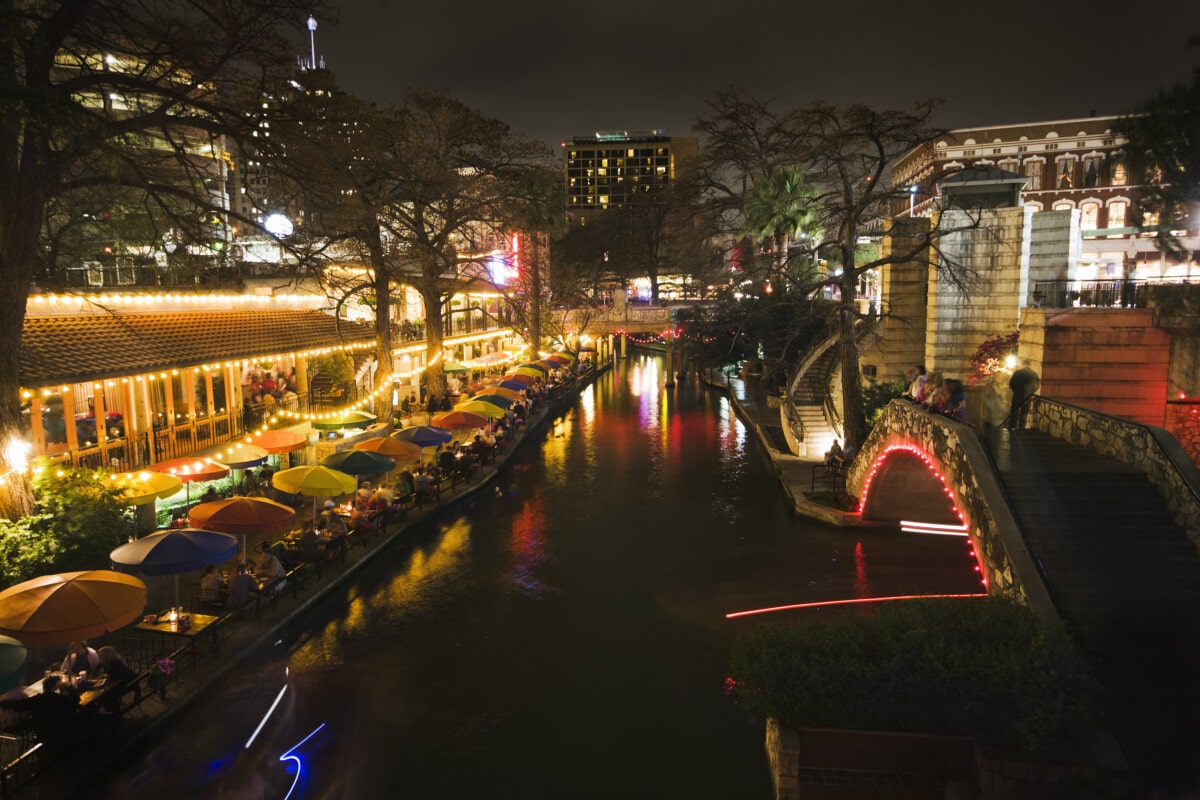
pixel 899 340
pixel 995 252
pixel 1053 249
pixel 1152 450
pixel 1113 360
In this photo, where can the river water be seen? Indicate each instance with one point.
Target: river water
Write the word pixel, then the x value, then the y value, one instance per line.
pixel 560 635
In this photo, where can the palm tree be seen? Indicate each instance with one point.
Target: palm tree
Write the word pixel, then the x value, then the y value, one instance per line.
pixel 780 210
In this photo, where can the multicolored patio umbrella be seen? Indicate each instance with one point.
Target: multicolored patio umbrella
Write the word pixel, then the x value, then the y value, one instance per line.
pixel 175 551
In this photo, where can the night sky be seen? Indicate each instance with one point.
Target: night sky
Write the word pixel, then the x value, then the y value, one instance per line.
pixel 559 69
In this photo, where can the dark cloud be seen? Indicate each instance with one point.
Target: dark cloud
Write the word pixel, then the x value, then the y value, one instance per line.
pixel 559 69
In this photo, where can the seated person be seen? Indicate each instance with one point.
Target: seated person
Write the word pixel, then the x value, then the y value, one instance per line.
pixel 210 496
pixel 269 567
pixel 835 458
pixel 120 680
pixel 240 587
pixel 56 719
pixel 210 584
pixel 363 495
pixel 80 658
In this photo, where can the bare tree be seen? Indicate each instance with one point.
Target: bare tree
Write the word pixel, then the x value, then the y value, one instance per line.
pixel 117 93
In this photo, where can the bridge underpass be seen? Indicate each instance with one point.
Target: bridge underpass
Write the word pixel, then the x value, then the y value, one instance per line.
pixel 1077 535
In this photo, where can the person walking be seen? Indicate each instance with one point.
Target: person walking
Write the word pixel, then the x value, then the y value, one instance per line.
pixel 1023 383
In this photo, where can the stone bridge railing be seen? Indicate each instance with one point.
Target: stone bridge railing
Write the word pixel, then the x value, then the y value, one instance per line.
pixel 1152 450
pixel 968 472
pixel 601 322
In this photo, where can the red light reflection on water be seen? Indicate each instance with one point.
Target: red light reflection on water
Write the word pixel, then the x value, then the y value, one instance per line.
pixel 527 544
pixel 862 586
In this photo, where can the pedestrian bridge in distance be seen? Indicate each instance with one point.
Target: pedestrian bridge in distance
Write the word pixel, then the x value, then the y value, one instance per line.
pixel 1086 518
pixel 609 320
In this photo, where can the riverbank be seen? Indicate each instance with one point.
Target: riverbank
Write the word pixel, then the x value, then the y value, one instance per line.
pixel 797 476
pixel 237 636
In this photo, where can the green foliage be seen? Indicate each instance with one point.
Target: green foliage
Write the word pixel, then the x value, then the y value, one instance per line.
pixel 876 396
pixel 983 668
pixel 338 366
pixel 75 525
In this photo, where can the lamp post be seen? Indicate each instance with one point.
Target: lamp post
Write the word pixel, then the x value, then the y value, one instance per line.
pixel 912 200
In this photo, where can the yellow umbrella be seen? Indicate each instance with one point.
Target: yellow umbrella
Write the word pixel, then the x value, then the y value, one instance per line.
pixel 500 391
pixel 314 482
pixel 481 408
pixel 143 488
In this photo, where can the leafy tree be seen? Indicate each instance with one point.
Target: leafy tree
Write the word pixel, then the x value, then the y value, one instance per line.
pixel 416 192
pixel 76 523
pixel 1164 148
pixel 990 669
pixel 779 210
pixel 115 93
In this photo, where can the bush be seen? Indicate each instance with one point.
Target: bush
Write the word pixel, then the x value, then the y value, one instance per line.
pixel 876 396
pixel 76 523
pixel 988 668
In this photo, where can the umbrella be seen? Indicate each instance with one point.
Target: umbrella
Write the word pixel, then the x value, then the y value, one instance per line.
pixel 526 378
pixel 455 367
pixel 559 359
pixel 242 456
pixel 423 435
pixel 12 662
pixel 498 400
pixel 282 441
pixel 174 551
pixel 548 364
pixel 314 482
pixel 391 446
pixel 351 419
pixel 243 515
pixel 512 385
pixel 192 469
pixel 499 391
pixel 459 419
pixel 359 462
pixel 533 365
pixel 56 609
pixel 143 488
pixel 481 408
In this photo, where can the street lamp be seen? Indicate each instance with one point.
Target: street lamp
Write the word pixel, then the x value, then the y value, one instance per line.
pixel 912 200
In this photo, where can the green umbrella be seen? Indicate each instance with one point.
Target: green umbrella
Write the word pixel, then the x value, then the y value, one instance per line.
pixel 351 419
pixel 12 662
pixel 359 462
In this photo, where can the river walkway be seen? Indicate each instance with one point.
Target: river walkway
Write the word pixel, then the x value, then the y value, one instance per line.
pixel 29 771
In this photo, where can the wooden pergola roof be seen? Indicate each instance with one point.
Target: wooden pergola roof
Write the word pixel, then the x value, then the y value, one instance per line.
pixel 73 349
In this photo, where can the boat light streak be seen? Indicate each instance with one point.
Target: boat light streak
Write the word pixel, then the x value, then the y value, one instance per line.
pixel 854 600
pixel 299 761
pixel 909 526
pixel 266 717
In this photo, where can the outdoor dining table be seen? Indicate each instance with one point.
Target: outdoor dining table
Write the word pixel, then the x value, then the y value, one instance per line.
pixel 89 692
pixel 199 626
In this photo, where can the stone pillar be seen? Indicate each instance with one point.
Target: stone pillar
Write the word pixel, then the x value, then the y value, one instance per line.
pixel 670 367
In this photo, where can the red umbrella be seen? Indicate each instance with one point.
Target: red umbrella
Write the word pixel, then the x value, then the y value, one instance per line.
pixel 243 515
pixel 192 469
pixel 459 419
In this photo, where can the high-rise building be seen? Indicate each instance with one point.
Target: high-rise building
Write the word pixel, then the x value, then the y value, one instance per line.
pixel 614 169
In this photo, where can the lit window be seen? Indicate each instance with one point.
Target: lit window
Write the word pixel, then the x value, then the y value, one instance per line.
pixel 1116 214
pixel 1033 171
pixel 1118 174
pixel 1089 216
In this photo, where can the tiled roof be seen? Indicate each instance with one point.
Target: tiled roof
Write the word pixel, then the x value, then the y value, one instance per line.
pixel 64 350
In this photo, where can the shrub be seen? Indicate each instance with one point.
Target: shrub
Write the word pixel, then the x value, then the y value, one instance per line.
pixel 876 396
pixel 75 525
pixel 987 668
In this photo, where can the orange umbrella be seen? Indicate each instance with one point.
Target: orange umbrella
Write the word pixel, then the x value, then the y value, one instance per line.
pixel 455 419
pixel 242 515
pixel 56 609
pixel 192 469
pixel 276 442
pixel 387 446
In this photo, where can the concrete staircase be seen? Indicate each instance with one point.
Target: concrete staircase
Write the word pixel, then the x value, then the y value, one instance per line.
pixel 808 390
pixel 1126 579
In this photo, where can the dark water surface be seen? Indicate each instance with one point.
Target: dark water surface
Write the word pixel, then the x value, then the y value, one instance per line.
pixel 560 636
